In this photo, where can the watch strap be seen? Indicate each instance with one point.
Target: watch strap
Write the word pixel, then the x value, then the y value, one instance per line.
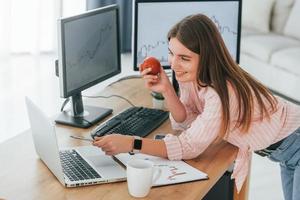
pixel 137 145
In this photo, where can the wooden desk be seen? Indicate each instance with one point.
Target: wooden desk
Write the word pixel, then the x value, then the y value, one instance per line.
pixel 24 176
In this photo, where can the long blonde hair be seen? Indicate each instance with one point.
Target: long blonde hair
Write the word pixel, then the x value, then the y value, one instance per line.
pixel 200 35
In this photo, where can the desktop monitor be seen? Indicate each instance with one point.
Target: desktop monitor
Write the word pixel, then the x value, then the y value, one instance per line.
pixel 154 18
pixel 89 53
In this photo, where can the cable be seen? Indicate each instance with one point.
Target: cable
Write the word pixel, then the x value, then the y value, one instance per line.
pixel 64 104
pixel 110 97
pixel 121 79
pixel 125 78
pixel 169 74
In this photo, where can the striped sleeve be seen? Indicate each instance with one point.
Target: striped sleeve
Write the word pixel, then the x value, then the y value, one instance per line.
pixel 202 132
pixel 185 93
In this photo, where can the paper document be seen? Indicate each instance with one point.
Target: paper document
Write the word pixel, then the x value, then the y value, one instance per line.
pixel 172 171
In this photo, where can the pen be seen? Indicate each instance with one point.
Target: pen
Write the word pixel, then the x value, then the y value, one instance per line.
pixel 81 138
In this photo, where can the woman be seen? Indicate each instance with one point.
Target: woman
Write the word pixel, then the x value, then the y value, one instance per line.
pixel 218 101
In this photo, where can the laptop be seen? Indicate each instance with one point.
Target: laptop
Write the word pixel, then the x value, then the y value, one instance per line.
pixel 77 166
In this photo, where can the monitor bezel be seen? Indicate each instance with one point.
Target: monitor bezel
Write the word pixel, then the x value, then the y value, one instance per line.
pixel 61 50
pixel 135 28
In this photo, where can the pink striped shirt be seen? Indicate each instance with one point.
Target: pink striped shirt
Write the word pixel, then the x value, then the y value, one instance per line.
pixel 201 127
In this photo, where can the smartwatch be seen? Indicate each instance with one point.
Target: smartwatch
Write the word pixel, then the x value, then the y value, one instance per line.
pixel 137 145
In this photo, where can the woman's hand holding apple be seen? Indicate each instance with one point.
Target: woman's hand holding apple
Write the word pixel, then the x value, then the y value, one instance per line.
pixel 153 64
pixel 157 82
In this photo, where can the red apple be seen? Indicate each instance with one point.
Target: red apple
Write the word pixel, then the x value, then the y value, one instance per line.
pixel 153 63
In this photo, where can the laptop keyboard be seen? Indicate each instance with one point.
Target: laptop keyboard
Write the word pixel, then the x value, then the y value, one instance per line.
pixel 75 167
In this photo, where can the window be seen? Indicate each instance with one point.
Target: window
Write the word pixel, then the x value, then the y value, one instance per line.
pixel 30 26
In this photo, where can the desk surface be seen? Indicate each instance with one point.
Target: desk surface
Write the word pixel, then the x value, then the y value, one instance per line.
pixel 24 176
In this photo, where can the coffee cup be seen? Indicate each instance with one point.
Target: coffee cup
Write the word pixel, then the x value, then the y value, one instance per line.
pixel 141 174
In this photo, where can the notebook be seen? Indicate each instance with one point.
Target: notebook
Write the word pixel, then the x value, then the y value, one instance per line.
pixel 78 166
pixel 173 172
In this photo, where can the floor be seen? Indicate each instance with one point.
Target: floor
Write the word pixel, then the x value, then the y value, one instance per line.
pixel 35 77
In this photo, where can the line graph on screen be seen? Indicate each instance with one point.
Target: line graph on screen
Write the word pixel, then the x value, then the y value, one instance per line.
pixel 159 48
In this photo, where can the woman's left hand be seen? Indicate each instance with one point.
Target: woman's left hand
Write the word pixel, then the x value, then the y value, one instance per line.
pixel 114 144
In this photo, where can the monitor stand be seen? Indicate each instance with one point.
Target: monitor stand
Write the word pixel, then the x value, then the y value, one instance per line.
pixel 82 116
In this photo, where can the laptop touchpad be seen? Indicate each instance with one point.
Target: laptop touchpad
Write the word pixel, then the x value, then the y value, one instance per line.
pixel 106 166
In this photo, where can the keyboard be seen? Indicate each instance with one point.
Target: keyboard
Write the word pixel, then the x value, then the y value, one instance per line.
pixel 139 121
pixel 75 167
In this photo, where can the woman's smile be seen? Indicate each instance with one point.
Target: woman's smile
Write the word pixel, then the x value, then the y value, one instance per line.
pixel 180 73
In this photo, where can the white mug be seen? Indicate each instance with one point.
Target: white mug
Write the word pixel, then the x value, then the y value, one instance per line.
pixel 140 177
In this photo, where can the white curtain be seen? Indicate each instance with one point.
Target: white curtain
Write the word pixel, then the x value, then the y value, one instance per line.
pixel 29 26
